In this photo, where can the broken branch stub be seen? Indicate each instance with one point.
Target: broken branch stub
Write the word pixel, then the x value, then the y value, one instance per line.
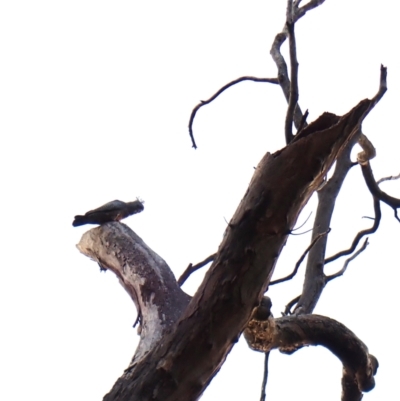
pixel 181 366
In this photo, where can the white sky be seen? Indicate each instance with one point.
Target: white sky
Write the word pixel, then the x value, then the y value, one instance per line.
pixel 95 100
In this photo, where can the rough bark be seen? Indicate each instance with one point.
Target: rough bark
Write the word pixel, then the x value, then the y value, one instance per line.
pixel 181 365
pixel 290 333
pixel 144 275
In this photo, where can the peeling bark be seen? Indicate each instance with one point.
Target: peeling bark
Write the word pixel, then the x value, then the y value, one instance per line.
pixel 184 359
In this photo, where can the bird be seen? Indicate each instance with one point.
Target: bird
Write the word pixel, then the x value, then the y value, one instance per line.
pixel 111 211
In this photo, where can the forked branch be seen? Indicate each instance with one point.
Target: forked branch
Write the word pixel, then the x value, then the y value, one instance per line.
pixel 290 88
pixel 360 235
pixel 348 260
pixel 300 261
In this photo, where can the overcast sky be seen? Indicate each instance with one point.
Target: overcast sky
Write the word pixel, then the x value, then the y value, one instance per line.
pixel 95 99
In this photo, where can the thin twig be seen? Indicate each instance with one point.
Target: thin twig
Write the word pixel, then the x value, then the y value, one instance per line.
pixel 378 215
pixel 298 228
pixel 348 260
pixel 304 232
pixel 303 122
pixel 280 62
pixel 300 12
pixel 299 262
pixel 294 67
pixel 373 187
pixel 391 177
pixel 213 97
pixel 290 305
pixel 265 377
pixel 192 268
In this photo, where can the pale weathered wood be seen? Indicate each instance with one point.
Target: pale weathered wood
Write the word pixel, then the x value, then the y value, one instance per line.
pixel 144 275
pixel 184 361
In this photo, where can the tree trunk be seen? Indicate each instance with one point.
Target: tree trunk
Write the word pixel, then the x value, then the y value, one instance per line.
pixel 179 363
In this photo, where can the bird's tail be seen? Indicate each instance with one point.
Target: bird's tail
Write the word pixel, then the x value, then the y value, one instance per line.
pixel 78 221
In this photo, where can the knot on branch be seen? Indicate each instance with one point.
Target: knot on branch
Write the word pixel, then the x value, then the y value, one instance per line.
pixel 368 150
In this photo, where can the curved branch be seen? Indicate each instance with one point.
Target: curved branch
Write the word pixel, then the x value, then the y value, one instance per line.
pixel 373 187
pixel 290 305
pixel 144 275
pixel 363 233
pixel 283 76
pixel 368 150
pixel 294 90
pixel 290 333
pixel 346 263
pixel 213 97
pixel 300 261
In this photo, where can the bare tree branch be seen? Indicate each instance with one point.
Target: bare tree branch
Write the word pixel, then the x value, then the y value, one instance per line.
pixel 350 388
pixel 265 377
pixel 275 52
pixel 283 76
pixel 373 187
pixel 382 86
pixel 144 275
pixel 300 12
pixel 192 268
pixel 300 261
pixel 290 305
pixel 213 97
pixel 389 178
pixel 346 263
pixel 368 151
pixel 294 66
pixel 363 233
pixel 290 333
pixel 315 279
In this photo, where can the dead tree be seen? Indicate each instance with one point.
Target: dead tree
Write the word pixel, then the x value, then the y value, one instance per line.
pixel 184 340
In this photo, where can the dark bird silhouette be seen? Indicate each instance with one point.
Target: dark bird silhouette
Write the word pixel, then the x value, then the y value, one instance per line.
pixel 111 211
